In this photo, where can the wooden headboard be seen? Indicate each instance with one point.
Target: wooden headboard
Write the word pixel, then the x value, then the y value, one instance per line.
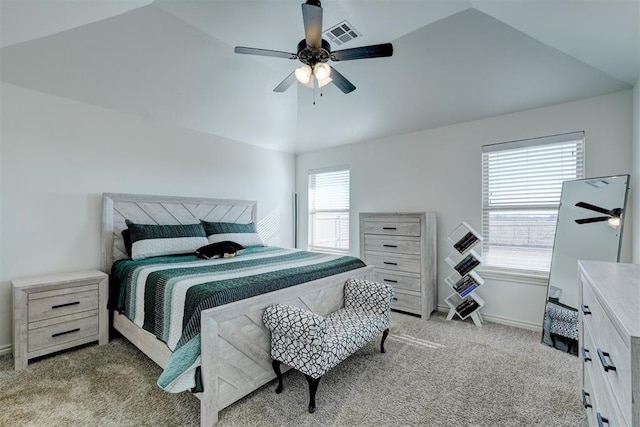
pixel 147 209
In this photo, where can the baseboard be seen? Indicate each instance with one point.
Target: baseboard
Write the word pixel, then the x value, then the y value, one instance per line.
pixel 5 349
pixel 502 320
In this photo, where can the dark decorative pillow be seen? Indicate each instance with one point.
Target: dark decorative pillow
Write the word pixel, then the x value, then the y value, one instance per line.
pixel 225 249
pixel 157 240
pixel 126 237
pixel 244 234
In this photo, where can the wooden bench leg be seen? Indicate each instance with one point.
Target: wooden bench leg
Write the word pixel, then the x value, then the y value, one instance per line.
pixel 276 368
pixel 313 387
pixel 384 337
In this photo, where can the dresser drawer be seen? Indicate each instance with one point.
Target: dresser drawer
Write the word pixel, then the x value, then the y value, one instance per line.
pixel 61 302
pixel 608 349
pixel 398 245
pixel 404 281
pixel 600 399
pixel 589 399
pixel 406 302
pixel 393 262
pixel 392 227
pixel 69 328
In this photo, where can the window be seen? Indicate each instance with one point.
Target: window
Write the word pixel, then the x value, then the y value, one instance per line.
pixel 521 187
pixel 329 210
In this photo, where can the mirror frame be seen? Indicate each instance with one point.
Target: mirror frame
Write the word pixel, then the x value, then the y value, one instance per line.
pixel 563 311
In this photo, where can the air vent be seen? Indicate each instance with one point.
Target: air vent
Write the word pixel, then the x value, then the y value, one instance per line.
pixel 341 33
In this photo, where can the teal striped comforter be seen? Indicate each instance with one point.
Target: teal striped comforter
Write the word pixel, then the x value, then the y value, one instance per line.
pixel 165 295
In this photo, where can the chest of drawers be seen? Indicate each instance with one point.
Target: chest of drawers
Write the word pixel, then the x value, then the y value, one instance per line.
pixel 57 312
pixel 402 248
pixel 610 342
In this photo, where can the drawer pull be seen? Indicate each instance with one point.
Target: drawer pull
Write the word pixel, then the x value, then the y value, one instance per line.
pixel 601 420
pixel 604 359
pixel 390 280
pixel 389 263
pixel 585 309
pixel 394 299
pixel 389 228
pixel 586 356
pixel 65 304
pixel 65 332
pixel 390 246
pixel 586 403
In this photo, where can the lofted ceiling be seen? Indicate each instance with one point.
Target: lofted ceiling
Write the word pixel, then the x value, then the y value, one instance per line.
pixel 454 60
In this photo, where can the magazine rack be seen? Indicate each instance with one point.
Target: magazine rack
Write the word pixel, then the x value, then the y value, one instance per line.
pixel 464 302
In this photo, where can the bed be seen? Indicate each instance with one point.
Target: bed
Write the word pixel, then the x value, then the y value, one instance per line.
pixel 234 355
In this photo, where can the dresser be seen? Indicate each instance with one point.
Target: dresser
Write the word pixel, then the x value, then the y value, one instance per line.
pixel 609 338
pixel 402 248
pixel 57 312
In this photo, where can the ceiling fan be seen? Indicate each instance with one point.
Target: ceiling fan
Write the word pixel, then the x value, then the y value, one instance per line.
pixel 314 52
pixel 613 216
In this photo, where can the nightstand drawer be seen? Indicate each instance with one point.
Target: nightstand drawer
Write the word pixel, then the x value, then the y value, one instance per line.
pixel 392 227
pixel 61 302
pixel 406 245
pixel 43 334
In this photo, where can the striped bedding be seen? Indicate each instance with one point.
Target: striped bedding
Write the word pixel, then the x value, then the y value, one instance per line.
pixel 165 295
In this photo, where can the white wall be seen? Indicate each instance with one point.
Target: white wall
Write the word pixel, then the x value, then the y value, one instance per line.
pixel 439 170
pixel 635 173
pixel 59 156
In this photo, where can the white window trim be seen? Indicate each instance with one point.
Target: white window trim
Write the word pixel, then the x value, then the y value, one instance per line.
pixel 324 249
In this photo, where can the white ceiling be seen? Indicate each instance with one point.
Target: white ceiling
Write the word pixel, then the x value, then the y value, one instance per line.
pixel 454 61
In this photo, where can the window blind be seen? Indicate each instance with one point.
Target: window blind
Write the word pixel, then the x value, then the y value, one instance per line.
pixel 521 189
pixel 329 210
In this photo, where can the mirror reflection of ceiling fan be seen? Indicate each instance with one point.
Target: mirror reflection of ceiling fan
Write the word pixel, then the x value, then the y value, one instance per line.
pixel 613 216
pixel 314 52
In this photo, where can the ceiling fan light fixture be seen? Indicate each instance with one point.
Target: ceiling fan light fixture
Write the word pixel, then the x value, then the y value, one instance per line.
pixel 303 74
pixel 322 71
pixel 614 221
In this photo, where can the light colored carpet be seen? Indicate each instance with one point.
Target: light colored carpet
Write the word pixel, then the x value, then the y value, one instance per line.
pixel 435 373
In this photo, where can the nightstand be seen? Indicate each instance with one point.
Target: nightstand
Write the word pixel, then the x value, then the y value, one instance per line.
pixel 59 311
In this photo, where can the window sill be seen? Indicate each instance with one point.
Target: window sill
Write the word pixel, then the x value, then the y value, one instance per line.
pixel 529 278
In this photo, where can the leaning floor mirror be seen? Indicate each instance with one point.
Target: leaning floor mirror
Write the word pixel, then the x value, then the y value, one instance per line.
pixel 589 227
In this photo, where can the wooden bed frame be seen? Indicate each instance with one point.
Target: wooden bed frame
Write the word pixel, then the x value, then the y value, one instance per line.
pixel 235 353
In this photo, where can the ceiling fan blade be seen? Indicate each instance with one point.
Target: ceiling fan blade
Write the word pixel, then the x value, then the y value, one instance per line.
pixel 596 219
pixel 341 81
pixel 286 83
pixel 264 52
pixel 312 17
pixel 593 208
pixel 373 51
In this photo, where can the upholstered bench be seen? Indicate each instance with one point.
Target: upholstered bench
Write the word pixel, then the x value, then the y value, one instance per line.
pixel 313 344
